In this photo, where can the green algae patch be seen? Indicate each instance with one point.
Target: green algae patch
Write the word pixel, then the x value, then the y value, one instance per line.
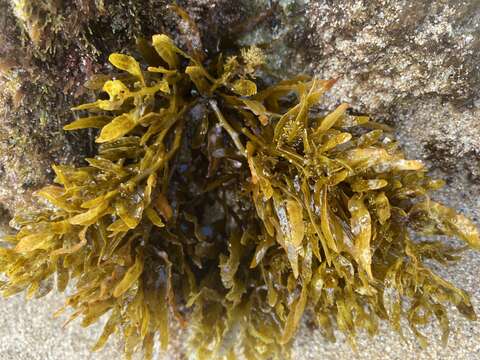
pixel 233 207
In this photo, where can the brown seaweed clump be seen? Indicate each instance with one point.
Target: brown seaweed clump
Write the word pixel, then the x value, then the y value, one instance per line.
pixel 232 206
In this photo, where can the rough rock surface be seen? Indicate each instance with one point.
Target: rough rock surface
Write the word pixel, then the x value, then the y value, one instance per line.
pixel 412 64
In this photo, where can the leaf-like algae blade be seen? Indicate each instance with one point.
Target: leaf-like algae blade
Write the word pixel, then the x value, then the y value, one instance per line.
pixel 128 64
pixel 232 206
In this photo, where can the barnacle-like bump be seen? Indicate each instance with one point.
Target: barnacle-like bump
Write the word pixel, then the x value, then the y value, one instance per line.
pixel 233 208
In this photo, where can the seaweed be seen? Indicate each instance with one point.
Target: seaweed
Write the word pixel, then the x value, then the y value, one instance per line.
pixel 233 207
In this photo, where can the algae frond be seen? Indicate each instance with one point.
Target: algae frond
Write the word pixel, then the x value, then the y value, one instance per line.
pixel 233 206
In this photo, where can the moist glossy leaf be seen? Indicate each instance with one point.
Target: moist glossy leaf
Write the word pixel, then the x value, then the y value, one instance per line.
pixel 161 69
pixel 197 75
pixel 154 218
pixel 109 105
pixel 382 207
pixel 258 109
pixel 166 49
pixel 332 118
pixel 118 127
pixel 403 164
pixel 369 138
pixel 161 85
pixel 228 266
pixel 296 224
pixel 130 210
pixel 164 207
pixel 108 329
pixel 244 87
pixel 82 237
pixel 102 198
pixel 290 218
pixel 55 195
pixel 435 218
pixel 335 140
pixel 88 122
pixel 365 157
pixel 130 277
pixel 126 63
pixel 361 225
pixel 116 89
pixel 326 221
pixel 35 241
pixel 368 185
pixel 294 316
pixel 260 251
pixel 91 216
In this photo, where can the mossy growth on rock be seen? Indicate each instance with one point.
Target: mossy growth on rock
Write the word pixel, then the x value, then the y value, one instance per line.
pixel 233 206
